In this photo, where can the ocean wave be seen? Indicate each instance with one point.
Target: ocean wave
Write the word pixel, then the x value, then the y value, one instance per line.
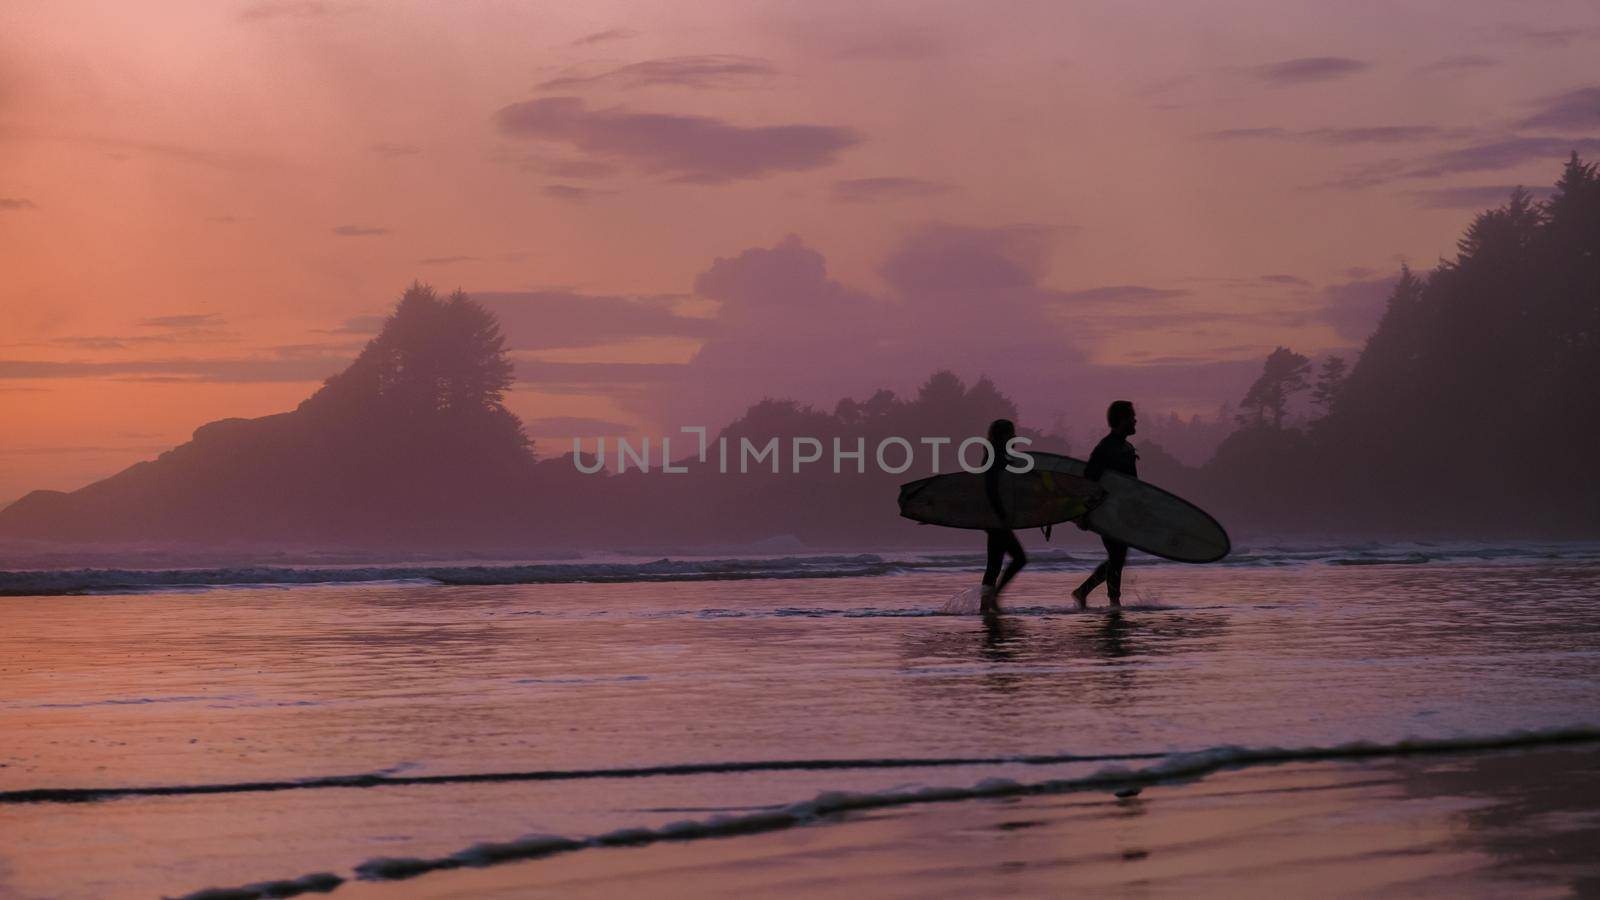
pixel 389 779
pixel 114 581
pixel 37 582
pixel 1171 768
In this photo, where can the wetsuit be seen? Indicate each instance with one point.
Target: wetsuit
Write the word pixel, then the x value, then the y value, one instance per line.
pixel 1001 540
pixel 1113 454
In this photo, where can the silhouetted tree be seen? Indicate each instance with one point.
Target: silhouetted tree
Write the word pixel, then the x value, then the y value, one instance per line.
pixel 1330 380
pixel 1282 375
pixel 943 387
pixel 439 368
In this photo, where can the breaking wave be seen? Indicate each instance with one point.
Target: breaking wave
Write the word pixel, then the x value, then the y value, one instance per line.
pixel 1171 768
pixel 124 581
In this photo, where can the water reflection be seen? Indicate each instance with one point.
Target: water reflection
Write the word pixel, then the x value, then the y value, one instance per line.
pixel 1533 815
pixel 1114 637
pixel 1092 660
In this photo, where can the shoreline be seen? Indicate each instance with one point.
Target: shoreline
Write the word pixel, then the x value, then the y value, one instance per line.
pixel 1182 778
pixel 1449 825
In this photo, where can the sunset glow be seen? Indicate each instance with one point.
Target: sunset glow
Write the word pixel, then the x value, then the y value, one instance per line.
pixel 205 205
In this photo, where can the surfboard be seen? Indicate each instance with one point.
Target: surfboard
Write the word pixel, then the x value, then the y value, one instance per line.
pixel 1145 517
pixel 1030 499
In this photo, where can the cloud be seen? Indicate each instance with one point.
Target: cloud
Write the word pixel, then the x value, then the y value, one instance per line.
pixel 1375 134
pixel 124 342
pixel 94 449
pixel 572 192
pixel 1120 293
pixel 578 168
pixel 446 260
pixel 959 297
pixel 224 220
pixel 189 320
pixel 1502 154
pixel 1461 63
pixel 600 37
pixel 1307 69
pixel 1291 280
pixel 230 371
pixel 941 259
pixel 1576 110
pixel 124 149
pixel 14 203
pixel 1484 156
pixel 635 380
pixel 94 342
pixel 695 149
pixel 365 324
pixel 965 298
pixel 1370 134
pixel 1483 197
pixel 886 42
pixel 1554 38
pixel 573 426
pixel 1353 308
pixel 289 9
pixel 871 190
pixel 712 71
pixel 393 151
pixel 359 231
pixel 1233 134
pixel 545 320
pixel 191 328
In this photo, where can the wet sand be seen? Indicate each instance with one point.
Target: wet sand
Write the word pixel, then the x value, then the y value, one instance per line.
pixel 202 738
pixel 1521 823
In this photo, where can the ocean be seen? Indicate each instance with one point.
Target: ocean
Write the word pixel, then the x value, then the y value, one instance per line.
pixel 1324 719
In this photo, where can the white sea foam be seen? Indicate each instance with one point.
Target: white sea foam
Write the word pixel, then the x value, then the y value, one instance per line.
pixel 1176 767
pixel 114 581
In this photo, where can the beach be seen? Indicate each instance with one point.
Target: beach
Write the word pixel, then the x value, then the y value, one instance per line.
pixel 1337 720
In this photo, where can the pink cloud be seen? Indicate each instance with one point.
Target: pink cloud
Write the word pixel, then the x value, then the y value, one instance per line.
pixel 697 149
pixel 1308 69
pixel 712 71
pixel 887 188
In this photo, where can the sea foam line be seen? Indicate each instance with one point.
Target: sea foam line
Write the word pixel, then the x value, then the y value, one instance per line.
pixel 1174 767
pixel 51 582
pixel 385 779
pixel 378 779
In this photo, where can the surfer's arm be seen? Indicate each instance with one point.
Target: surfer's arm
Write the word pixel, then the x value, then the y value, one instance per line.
pixel 991 487
pixel 1096 465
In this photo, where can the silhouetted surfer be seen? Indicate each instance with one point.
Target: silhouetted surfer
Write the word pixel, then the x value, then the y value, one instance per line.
pixel 1002 541
pixel 1115 454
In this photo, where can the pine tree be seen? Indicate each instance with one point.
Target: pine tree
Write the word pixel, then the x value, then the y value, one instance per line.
pixel 439 364
pixel 1283 375
pixel 1330 381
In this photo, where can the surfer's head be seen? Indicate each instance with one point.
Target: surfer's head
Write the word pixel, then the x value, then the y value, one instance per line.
pixel 1121 417
pixel 1001 431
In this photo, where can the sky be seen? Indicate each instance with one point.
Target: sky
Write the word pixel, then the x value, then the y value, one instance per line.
pixel 679 208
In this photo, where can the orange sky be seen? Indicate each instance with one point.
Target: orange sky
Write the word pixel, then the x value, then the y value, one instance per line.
pixel 200 201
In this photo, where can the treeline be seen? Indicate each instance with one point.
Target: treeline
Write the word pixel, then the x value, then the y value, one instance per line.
pixel 1472 407
pixel 1470 411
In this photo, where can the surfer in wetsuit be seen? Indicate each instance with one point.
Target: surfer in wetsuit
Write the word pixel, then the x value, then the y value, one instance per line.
pixel 1114 454
pixel 1002 541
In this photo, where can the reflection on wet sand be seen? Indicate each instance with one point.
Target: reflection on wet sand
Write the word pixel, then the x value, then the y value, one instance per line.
pixel 1534 817
pixel 1471 825
pixel 1096 655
